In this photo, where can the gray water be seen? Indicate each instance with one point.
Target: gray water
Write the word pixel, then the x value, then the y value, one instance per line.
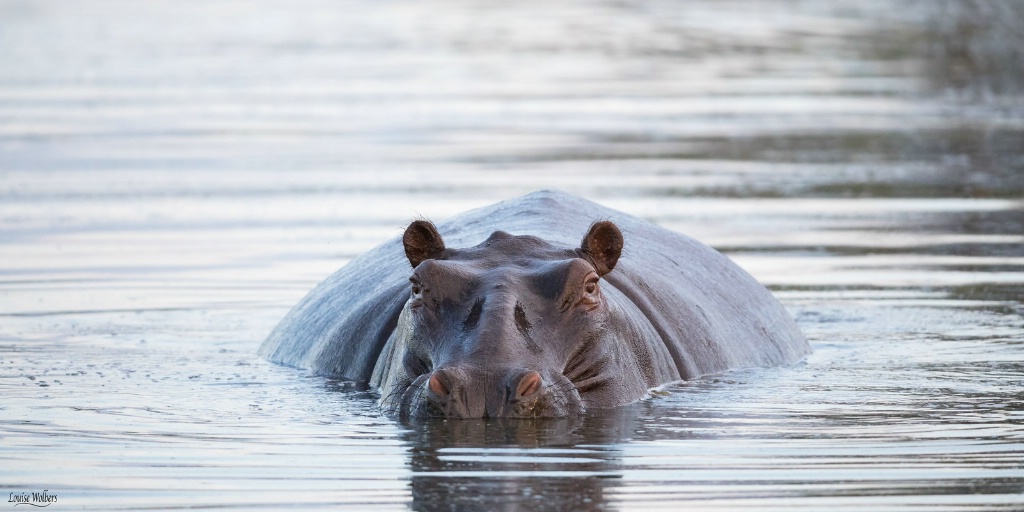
pixel 175 175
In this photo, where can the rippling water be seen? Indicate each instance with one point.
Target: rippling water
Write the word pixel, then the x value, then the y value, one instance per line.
pixel 174 176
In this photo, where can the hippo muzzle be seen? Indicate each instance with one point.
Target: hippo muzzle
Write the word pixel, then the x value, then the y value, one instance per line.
pixel 466 392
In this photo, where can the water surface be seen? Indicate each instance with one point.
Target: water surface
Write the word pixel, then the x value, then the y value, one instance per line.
pixel 174 176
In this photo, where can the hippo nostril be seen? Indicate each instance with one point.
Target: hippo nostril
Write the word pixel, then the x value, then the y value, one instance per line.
pixel 529 384
pixel 439 385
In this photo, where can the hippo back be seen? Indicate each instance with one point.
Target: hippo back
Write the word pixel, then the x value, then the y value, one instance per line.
pixel 697 306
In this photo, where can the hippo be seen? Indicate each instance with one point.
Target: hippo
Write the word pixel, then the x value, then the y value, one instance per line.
pixel 547 305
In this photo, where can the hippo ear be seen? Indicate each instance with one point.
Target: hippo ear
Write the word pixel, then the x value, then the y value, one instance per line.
pixel 422 242
pixel 602 246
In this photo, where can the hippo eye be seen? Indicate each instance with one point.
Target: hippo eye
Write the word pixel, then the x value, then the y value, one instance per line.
pixel 590 297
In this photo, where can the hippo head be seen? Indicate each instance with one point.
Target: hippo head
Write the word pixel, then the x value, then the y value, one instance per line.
pixel 514 327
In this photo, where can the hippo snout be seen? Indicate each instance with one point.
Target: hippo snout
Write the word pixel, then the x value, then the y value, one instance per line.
pixel 462 392
pixel 516 386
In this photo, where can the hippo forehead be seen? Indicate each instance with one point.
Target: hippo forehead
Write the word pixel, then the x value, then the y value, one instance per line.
pixel 504 250
pixel 504 260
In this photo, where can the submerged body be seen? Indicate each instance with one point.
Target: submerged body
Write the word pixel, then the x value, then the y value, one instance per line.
pixel 537 323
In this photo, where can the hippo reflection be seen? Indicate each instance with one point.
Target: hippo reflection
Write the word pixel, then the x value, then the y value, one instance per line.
pixel 533 325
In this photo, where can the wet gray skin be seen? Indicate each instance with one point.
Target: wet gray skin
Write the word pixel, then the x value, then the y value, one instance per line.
pixel 513 327
pixel 533 325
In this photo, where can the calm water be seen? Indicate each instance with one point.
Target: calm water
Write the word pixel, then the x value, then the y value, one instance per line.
pixel 174 176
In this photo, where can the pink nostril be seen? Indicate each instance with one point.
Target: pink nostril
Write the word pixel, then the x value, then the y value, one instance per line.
pixel 529 384
pixel 438 385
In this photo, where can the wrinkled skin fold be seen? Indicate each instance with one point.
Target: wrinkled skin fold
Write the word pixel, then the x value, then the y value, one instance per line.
pixel 582 308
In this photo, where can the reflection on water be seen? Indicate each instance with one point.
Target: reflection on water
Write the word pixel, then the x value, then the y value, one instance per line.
pixel 174 176
pixel 563 464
